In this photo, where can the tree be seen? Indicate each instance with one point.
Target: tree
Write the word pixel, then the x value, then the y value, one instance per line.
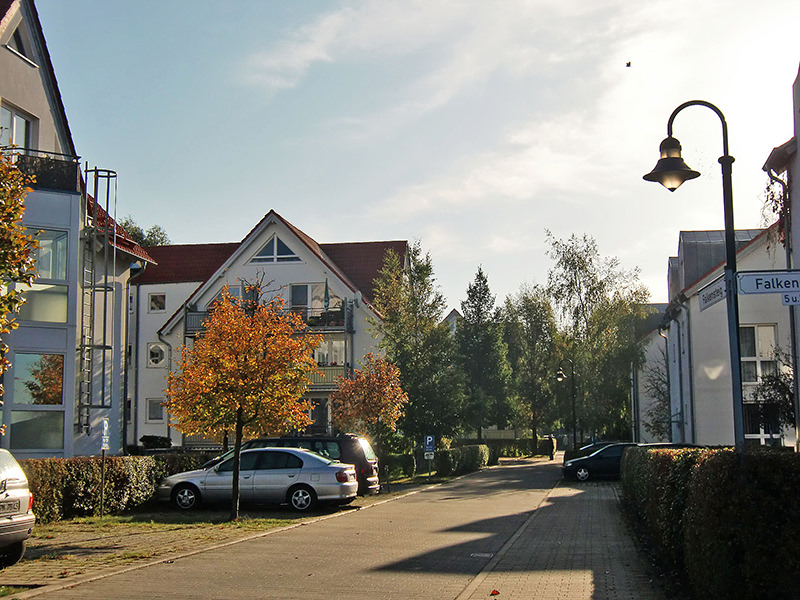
pixel 483 356
pixel 530 332
pixel 246 373
pixel 370 402
pixel 658 417
pixel 17 250
pixel 599 304
pixel 415 338
pixel 774 396
pixel 154 236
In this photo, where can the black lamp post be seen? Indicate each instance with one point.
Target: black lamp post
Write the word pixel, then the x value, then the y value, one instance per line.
pixel 560 376
pixel 670 171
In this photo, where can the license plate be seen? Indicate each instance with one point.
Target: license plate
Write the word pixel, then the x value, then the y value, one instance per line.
pixel 9 506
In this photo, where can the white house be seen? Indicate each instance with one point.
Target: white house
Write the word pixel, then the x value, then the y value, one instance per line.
pixel 331 285
pixel 697 347
pixel 71 328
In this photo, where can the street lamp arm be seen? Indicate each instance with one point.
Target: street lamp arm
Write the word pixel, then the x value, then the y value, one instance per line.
pixel 675 112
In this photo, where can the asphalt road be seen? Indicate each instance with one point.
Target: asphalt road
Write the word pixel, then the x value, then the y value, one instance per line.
pixel 447 541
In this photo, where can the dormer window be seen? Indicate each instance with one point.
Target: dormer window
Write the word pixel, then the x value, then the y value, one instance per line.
pixel 275 250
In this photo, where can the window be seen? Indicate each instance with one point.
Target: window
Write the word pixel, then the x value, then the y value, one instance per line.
pixel 38 379
pixel 44 302
pixel 277 460
pixel 155 412
pixel 15 128
pixel 51 255
pixel 235 292
pixel 157 303
pixel 37 430
pixel 156 355
pixel 330 353
pixel 275 250
pixel 757 348
pixel 248 462
pixel 19 43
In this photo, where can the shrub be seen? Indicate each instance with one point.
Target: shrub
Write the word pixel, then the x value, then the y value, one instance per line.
pixel 399 465
pixel 742 526
pixel 70 487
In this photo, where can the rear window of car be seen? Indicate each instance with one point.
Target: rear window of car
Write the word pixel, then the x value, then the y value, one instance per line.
pixel 368 451
pixel 9 467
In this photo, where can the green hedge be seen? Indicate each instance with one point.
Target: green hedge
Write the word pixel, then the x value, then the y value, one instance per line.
pixel 463 459
pixel 728 532
pixel 70 487
pixel 398 466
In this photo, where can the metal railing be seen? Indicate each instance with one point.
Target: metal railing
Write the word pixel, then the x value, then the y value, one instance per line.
pixel 51 170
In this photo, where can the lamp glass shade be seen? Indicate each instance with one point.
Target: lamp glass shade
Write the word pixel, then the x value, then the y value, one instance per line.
pixel 560 375
pixel 670 170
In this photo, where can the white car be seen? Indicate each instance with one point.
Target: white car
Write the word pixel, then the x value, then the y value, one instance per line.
pixel 16 510
pixel 266 475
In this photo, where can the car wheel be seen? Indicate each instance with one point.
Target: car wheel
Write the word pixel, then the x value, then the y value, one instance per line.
pixel 11 555
pixel 185 496
pixel 302 498
pixel 582 474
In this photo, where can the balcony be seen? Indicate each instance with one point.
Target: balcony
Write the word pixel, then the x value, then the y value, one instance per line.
pixel 326 376
pixel 52 171
pixel 316 319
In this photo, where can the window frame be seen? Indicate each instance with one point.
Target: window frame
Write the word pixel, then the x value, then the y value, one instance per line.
pixel 150 297
pixel 148 403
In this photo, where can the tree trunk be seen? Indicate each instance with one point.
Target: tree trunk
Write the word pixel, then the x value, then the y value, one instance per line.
pixel 237 453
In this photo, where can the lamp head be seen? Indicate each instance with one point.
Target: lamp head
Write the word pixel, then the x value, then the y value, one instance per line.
pixel 560 375
pixel 670 170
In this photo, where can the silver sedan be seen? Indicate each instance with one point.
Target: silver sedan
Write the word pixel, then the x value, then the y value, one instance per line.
pixel 266 475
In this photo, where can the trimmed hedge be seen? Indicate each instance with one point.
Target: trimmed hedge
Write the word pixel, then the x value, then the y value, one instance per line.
pixel 463 459
pixel 398 465
pixel 63 488
pixel 727 531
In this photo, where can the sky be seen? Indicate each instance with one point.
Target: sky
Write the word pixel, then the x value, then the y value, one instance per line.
pixel 474 127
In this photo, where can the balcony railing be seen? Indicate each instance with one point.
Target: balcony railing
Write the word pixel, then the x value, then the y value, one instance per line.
pixel 327 375
pixel 52 171
pixel 335 319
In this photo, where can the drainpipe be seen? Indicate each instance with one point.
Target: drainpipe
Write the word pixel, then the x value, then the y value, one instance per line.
pixel 662 329
pixel 140 267
pixel 169 355
pixel 681 304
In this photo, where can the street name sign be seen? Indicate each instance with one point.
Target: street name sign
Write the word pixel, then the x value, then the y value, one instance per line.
pixel 711 294
pixel 769 282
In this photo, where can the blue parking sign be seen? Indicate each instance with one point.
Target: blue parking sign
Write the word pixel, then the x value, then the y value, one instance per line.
pixel 430 443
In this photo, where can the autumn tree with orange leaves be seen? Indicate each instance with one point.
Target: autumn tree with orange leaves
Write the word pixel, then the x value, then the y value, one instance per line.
pixel 17 249
pixel 247 373
pixel 371 401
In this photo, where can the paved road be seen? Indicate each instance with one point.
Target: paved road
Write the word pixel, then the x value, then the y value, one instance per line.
pixel 506 530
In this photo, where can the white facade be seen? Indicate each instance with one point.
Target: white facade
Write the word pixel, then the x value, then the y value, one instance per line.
pixel 167 315
pixel 699 357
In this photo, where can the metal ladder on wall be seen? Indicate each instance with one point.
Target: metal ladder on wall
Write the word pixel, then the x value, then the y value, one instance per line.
pixel 97 238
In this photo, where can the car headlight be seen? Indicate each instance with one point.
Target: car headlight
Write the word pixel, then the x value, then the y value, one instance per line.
pixel 568 464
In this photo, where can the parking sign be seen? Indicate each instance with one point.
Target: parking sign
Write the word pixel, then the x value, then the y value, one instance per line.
pixel 430 443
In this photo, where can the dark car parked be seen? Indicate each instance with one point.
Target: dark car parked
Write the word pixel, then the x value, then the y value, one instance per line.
pixel 347 448
pixel 602 463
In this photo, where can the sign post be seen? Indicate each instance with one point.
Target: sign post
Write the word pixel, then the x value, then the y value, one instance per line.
pixel 429 446
pixel 105 444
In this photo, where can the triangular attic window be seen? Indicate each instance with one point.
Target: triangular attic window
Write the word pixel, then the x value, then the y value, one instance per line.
pixel 275 250
pixel 20 43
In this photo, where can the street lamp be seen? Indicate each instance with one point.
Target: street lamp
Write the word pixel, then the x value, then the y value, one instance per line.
pixel 560 376
pixel 670 171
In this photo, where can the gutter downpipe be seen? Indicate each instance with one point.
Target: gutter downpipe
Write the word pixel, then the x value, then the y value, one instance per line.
pixel 787 229
pixel 169 351
pixel 682 300
pixel 129 360
pixel 663 334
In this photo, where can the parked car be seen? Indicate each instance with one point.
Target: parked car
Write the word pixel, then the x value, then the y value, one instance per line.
pixel 16 510
pixel 266 475
pixel 348 448
pixel 602 463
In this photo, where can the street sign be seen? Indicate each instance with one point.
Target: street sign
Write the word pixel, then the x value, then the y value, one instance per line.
pixel 712 293
pixel 429 455
pixel 106 440
pixel 792 299
pixel 769 282
pixel 429 444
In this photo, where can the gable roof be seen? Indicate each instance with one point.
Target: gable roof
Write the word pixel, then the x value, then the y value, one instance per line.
pixel 363 259
pixel 7 9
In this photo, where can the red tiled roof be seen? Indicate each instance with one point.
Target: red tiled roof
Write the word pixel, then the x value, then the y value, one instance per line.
pixel 122 240
pixel 362 261
pixel 185 262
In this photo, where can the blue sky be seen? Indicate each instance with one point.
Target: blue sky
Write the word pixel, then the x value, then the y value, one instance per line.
pixel 472 126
